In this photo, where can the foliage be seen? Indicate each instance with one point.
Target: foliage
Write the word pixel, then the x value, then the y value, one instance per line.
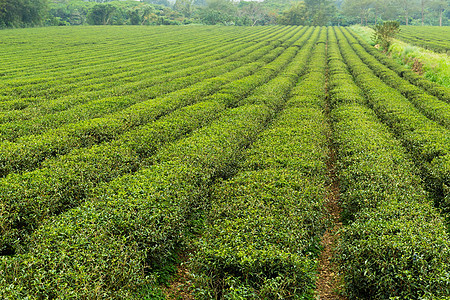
pixel 436 39
pixel 319 12
pixel 22 13
pixel 396 250
pixel 296 15
pixel 228 13
pixel 119 145
pixel 78 12
pixel 184 7
pixel 431 12
pixel 262 239
pixel 61 182
pixel 395 243
pixel 256 13
pixel 216 152
pixel 385 32
pixel 309 12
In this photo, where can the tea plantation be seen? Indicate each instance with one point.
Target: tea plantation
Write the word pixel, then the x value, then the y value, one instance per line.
pixel 126 150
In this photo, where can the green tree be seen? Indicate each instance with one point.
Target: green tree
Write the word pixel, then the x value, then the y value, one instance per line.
pixel 407 7
pixel 101 14
pixel 184 6
pixel 439 7
pixel 384 33
pixel 309 12
pixel 358 9
pixel 253 11
pixel 319 12
pixel 22 13
pixel 224 6
pixel 218 12
pixel 296 15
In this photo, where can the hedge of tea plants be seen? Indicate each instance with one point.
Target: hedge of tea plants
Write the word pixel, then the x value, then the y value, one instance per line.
pixel 263 230
pixel 65 181
pixel 430 37
pixel 124 149
pixel 427 140
pixel 394 242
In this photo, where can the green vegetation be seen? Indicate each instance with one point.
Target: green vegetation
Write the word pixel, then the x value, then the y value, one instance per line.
pixel 407 12
pixel 255 246
pixel 22 13
pixel 434 66
pixel 124 148
pixel 395 244
pixel 26 13
pixel 436 39
pixel 384 33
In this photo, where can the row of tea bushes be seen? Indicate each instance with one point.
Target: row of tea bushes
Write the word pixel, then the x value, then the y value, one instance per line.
pixel 153 88
pixel 52 85
pixel 394 243
pixel 62 183
pixel 431 106
pixel 263 230
pixel 429 37
pixel 54 52
pixel 127 82
pixel 426 140
pixel 65 181
pixel 235 92
pixel 114 80
pixel 144 218
pixel 116 242
pixel 32 150
pixel 434 89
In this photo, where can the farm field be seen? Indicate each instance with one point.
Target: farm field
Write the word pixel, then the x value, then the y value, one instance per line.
pixel 128 150
pixel 430 37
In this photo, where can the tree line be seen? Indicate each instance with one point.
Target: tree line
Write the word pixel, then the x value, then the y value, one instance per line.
pixel 415 12
pixel 27 13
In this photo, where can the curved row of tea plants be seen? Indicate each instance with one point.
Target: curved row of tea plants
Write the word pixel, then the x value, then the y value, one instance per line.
pixel 264 226
pixel 118 240
pixel 28 152
pixel 430 37
pixel 394 243
pixel 104 83
pixel 425 139
pixel 144 91
pixel 433 88
pixel 150 88
pixel 431 106
pixel 58 81
pixel 66 181
pixel 60 50
pixel 136 63
pixel 115 243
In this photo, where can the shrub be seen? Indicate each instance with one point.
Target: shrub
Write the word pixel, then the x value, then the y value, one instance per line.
pixel 384 33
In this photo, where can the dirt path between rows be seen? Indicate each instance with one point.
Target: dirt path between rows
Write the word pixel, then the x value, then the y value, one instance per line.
pixel 329 282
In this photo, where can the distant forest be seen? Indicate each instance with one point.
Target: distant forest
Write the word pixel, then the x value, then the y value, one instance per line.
pixel 28 13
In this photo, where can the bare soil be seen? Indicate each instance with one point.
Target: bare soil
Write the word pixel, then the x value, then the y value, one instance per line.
pixel 329 282
pixel 179 287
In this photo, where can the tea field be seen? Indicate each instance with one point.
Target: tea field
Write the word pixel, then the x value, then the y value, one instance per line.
pixel 430 37
pixel 126 150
